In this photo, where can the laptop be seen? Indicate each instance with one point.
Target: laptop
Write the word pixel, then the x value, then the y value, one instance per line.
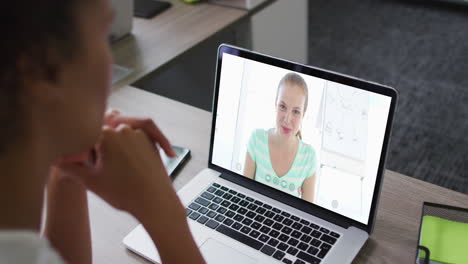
pixel 248 206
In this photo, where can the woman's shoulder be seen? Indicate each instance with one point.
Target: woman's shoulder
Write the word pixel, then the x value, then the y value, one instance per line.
pixel 307 149
pixel 260 133
pixel 308 158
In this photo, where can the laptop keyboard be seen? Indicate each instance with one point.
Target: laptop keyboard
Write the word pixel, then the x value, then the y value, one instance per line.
pixel 274 232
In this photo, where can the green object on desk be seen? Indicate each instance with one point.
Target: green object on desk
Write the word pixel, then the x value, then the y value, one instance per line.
pixel 191 1
pixel 446 240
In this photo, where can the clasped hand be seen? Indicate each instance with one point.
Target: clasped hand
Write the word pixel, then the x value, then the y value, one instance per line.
pixel 124 167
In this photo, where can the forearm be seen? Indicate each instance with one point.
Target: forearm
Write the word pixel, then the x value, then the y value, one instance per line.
pixel 172 237
pixel 308 189
pixel 308 196
pixel 249 167
pixel 67 224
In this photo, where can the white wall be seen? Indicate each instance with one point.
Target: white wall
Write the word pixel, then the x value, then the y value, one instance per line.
pixel 280 30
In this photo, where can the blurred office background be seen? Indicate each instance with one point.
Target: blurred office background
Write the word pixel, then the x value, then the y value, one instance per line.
pixel 418 47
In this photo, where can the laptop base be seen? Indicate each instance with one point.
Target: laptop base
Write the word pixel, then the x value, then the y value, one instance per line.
pixel 206 238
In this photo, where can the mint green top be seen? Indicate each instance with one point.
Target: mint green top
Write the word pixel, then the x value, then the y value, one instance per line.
pixel 303 167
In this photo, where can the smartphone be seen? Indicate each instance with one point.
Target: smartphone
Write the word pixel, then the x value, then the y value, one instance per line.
pixel 172 164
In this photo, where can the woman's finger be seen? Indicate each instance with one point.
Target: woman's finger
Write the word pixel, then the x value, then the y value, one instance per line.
pixel 77 158
pixel 146 125
pixel 110 115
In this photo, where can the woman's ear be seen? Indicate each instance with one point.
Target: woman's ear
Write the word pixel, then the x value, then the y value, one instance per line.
pixel 40 85
pixel 42 95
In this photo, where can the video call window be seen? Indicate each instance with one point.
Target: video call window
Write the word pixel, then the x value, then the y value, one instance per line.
pixel 310 138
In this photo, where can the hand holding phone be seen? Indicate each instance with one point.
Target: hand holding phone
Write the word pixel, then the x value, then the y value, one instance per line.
pixel 172 164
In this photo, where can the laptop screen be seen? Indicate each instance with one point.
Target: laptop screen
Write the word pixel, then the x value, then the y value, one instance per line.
pixel 314 139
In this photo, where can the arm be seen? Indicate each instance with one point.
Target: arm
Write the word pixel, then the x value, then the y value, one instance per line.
pixel 308 188
pixel 249 167
pixel 170 232
pixel 128 173
pixel 67 222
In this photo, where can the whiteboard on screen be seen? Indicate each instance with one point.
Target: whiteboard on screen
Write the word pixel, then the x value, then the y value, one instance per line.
pixel 345 123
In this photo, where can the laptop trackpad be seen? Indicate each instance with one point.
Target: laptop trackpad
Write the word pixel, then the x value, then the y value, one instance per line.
pixel 215 252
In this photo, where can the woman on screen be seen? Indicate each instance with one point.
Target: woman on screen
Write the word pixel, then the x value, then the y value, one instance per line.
pixel 278 157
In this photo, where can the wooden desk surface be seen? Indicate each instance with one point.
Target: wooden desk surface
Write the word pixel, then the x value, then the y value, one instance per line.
pixel 395 234
pixel 157 41
pixel 396 231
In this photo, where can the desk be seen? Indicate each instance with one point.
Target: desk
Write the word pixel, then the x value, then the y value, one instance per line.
pixel 182 41
pixel 155 42
pixel 395 233
pixel 153 45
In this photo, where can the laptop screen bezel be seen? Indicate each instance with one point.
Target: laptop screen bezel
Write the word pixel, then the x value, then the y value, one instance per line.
pixel 273 193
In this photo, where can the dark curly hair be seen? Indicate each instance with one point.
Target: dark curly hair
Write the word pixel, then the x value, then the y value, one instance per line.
pixel 37 36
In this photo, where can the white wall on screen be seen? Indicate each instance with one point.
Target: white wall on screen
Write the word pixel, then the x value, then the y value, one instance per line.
pixel 228 103
pixel 378 117
pixel 337 187
pixel 346 120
